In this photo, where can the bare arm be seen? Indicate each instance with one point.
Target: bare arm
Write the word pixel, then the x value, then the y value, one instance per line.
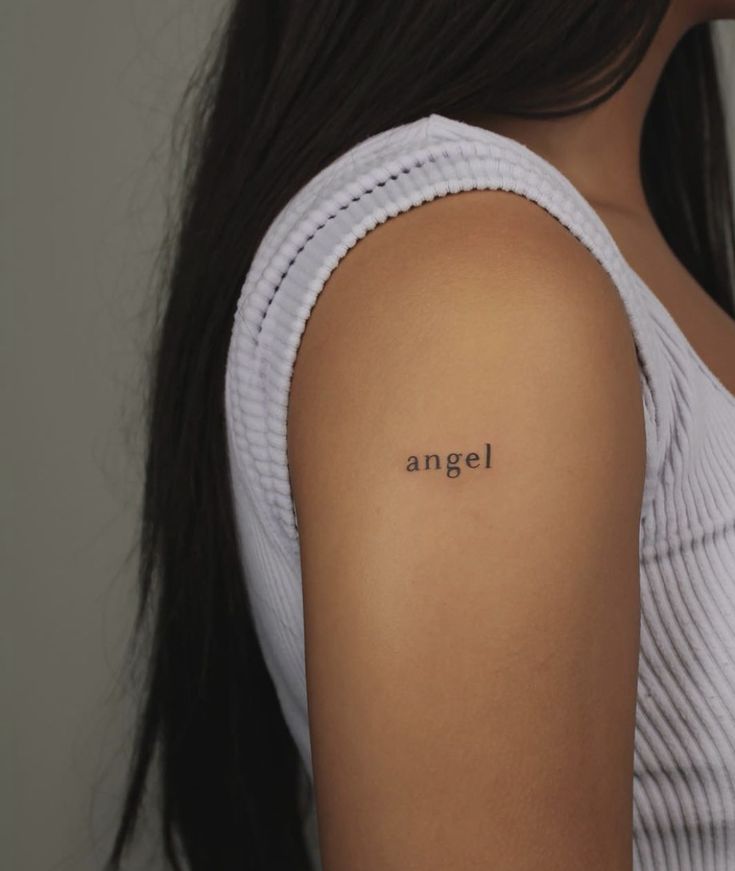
pixel 471 638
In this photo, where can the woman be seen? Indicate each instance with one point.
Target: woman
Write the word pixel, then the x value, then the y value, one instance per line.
pixel 453 286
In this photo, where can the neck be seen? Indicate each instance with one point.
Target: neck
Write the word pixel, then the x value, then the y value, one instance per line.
pixel 599 149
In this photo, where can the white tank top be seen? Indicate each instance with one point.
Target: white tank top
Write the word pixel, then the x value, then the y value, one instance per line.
pixel 684 766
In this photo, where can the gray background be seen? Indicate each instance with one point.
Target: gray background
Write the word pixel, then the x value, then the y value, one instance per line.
pixel 89 91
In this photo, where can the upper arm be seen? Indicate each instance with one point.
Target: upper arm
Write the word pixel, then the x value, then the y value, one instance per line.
pixel 471 639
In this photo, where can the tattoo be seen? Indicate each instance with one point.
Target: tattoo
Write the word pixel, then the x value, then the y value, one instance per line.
pixel 472 461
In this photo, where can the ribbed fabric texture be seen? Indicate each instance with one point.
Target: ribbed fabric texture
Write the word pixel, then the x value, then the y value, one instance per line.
pixel 684 778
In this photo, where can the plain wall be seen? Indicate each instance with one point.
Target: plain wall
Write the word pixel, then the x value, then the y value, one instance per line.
pixel 90 87
pixel 89 91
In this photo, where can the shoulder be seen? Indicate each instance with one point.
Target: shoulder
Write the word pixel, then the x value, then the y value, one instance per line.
pixel 483 298
pixel 497 244
pixel 461 615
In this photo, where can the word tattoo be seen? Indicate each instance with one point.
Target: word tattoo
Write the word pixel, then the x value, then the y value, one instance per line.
pixel 453 467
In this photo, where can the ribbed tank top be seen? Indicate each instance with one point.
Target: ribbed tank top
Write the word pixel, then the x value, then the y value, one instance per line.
pixel 684 765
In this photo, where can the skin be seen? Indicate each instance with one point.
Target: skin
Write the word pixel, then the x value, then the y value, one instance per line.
pixel 472 642
pixel 599 151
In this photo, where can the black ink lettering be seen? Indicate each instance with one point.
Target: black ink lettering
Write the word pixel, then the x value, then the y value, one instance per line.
pixel 454 466
pixel 453 469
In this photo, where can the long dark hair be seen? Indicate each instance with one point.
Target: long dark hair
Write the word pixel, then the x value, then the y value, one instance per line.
pixel 285 89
